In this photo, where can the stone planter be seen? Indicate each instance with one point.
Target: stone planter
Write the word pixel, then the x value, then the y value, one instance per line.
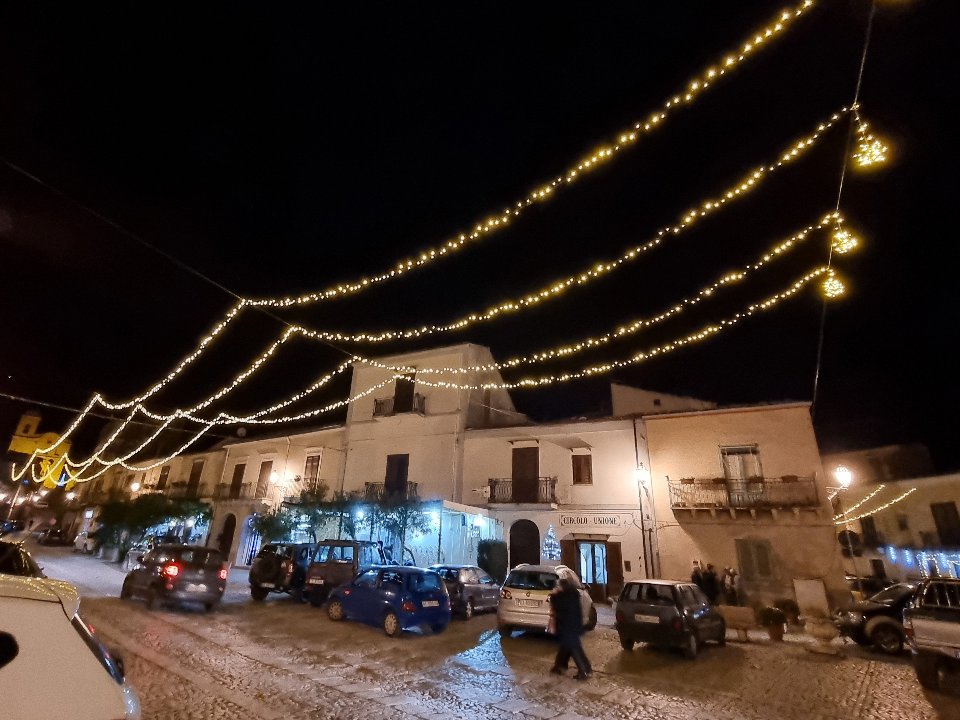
pixel 775 632
pixel 822 629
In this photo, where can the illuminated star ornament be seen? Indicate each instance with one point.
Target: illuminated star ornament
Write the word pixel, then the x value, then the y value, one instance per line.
pixel 833 287
pixel 844 241
pixel 871 152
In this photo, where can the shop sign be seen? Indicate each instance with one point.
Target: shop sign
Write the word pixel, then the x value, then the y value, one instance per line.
pixel 593 520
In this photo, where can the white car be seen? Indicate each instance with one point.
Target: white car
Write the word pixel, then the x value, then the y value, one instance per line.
pixel 84 543
pixel 39 621
pixel 524 603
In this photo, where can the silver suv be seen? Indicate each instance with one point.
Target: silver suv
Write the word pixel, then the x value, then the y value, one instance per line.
pixel 524 602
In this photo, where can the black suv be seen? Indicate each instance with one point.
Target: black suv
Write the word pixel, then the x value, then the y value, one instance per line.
pixel 15 560
pixel 932 624
pixel 664 612
pixel 877 620
pixel 280 567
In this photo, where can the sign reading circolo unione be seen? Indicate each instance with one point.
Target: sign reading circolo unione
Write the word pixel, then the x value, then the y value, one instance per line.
pixel 611 520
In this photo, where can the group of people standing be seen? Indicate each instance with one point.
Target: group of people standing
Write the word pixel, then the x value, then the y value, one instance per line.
pixel 723 588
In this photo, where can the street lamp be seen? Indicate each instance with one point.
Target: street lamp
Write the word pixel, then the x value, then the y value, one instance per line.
pixel 134 486
pixel 844 478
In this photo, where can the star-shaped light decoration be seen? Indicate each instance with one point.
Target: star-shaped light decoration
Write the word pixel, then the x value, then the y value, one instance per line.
pixel 844 241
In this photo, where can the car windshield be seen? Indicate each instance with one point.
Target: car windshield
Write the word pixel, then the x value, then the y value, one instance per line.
pixel 893 593
pixel 531 580
pixel 334 553
pixel 199 557
pixel 649 593
pixel 451 574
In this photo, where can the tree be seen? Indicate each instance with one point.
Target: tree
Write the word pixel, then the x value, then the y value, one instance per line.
pixel 551 547
pixel 401 515
pixel 274 524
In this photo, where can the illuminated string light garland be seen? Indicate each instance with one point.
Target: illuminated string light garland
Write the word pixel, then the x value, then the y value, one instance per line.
pixel 883 507
pixel 871 152
pixel 858 504
pixel 833 287
pixel 693 89
pixel 844 241
pixel 751 181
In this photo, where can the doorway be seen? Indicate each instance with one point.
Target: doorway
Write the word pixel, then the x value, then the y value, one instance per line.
pixel 226 535
pixel 526 469
pixel 524 543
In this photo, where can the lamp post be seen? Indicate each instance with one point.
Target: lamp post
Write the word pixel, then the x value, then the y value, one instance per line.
pixel 844 478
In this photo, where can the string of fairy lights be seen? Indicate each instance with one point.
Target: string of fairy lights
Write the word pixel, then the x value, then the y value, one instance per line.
pixel 741 188
pixel 881 508
pixel 854 507
pixel 870 152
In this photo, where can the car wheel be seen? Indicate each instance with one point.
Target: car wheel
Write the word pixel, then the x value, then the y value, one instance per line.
pixel 627 644
pixel 297 595
pixel 887 639
pixel 690 647
pixel 209 606
pixel 391 624
pixel 317 597
pixel 439 628
pixel 335 611
pixel 927 667
pixel 722 635
pixel 125 590
pixel 258 593
pixel 153 599
pixel 468 610
pixel 505 631
pixel 592 621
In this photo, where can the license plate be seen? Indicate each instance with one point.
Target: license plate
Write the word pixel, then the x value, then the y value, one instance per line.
pixel 646 618
pixel 269 585
pixel 314 581
pixel 196 587
pixel 431 603
pixel 528 603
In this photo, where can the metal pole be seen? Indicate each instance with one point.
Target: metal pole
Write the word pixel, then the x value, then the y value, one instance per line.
pixel 440 532
pixel 853 558
pixel 13 500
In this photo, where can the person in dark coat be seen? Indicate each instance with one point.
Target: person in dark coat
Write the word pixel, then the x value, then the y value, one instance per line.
pixel 568 615
pixel 696 577
pixel 711 584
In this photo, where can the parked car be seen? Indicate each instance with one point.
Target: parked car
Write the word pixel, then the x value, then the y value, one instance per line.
pixel 39 621
pixel 877 620
pixel 470 589
pixel 395 597
pixel 85 541
pixel 176 574
pixel 523 600
pixel 336 562
pixel 15 560
pixel 931 621
pixel 54 536
pixel 668 613
pixel 9 526
pixel 280 567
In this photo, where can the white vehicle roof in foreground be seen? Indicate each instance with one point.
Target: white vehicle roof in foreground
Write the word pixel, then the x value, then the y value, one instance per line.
pixel 42 589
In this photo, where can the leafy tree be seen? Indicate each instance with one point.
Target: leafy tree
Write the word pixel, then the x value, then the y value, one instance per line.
pixel 401 515
pixel 275 524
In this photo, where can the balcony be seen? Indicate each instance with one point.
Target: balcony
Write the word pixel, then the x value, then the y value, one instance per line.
pixel 228 492
pixel 516 490
pixel 377 492
pixel 789 491
pixel 386 407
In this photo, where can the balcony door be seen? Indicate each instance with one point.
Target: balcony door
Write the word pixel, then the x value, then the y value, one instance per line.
pixel 403 394
pixel 395 481
pixel 236 482
pixel 526 474
pixel 193 484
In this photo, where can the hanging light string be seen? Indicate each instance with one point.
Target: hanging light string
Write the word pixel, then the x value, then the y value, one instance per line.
pixel 626 139
pixel 398 371
pixel 858 504
pixel 740 189
pixel 883 507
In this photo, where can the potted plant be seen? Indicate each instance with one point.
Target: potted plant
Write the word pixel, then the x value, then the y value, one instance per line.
pixel 790 609
pixel 773 619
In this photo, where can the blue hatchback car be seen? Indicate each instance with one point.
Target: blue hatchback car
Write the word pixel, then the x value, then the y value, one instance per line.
pixel 396 598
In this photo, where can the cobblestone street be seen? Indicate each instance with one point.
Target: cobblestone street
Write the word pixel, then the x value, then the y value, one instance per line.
pixel 280 659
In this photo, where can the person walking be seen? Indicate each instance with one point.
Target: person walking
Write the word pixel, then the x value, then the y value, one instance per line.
pixel 711 586
pixel 733 587
pixel 696 577
pixel 568 616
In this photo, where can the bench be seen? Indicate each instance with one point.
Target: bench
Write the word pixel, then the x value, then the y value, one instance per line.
pixel 740 619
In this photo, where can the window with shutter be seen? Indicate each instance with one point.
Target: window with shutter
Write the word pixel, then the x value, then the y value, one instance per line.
pixel 583 470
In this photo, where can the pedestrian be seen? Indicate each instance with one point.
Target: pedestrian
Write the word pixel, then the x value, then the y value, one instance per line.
pixel 731 586
pixel 711 586
pixel 568 617
pixel 696 577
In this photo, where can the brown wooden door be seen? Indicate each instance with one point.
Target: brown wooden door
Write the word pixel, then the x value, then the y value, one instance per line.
pixel 524 543
pixel 395 480
pixel 266 467
pixel 236 482
pixel 526 471
pixel 193 484
pixel 568 555
pixel 614 569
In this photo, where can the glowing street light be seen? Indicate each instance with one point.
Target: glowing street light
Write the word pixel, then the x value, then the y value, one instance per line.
pixel 843 475
pixel 135 486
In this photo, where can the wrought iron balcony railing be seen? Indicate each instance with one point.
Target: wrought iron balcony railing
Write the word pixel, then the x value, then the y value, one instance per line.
pixel 385 407
pixel 229 492
pixel 519 490
pixel 783 492
pixel 378 492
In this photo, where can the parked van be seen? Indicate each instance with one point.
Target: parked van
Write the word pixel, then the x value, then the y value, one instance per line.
pixel 337 562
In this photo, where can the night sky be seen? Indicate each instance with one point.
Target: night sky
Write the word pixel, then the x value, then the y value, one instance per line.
pixel 278 150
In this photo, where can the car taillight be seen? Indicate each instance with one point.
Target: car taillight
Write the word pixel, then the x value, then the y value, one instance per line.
pixel 677 624
pixel 505 594
pixel 223 573
pixel 171 571
pixel 408 606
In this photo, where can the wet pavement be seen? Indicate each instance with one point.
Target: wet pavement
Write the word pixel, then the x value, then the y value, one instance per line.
pixel 281 659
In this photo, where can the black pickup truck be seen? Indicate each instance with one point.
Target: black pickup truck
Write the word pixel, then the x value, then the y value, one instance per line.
pixel 931 622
